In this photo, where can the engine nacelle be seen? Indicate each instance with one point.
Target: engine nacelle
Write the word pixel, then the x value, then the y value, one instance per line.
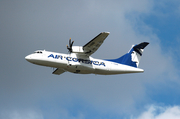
pixel 77 49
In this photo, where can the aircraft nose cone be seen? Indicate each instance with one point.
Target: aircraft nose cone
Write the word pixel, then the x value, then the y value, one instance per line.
pixel 28 58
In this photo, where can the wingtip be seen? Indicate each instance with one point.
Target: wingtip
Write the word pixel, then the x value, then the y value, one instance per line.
pixel 106 32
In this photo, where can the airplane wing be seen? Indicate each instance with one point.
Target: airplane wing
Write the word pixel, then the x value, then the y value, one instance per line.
pixel 95 43
pixel 58 71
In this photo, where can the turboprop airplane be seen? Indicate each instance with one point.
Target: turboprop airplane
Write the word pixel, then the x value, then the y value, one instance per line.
pixel 79 59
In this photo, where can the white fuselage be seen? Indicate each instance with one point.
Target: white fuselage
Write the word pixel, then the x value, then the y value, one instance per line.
pixel 81 64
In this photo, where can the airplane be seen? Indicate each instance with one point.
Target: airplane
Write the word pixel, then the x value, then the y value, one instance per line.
pixel 79 59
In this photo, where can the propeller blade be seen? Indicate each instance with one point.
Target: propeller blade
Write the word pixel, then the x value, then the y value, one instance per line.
pixel 69 42
pixel 70 45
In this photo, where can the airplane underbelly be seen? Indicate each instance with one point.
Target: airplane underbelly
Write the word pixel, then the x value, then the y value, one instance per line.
pixel 80 69
pixel 114 68
pixel 124 69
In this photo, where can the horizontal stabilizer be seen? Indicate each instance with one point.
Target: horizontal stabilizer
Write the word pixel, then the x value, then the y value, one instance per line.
pixel 139 47
pixel 58 71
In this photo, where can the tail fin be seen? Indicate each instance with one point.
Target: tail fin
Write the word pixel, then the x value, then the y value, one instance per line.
pixel 132 58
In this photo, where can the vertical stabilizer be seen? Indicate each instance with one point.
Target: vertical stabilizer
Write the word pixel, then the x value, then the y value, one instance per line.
pixel 132 58
pixel 137 51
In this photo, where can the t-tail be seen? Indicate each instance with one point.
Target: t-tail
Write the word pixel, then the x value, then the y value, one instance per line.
pixel 132 58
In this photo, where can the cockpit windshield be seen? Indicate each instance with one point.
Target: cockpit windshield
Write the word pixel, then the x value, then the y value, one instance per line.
pixel 38 51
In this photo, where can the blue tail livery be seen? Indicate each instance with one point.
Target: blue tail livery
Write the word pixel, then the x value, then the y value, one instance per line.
pixel 132 58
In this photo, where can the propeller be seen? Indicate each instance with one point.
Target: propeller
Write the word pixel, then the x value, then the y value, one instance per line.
pixel 70 45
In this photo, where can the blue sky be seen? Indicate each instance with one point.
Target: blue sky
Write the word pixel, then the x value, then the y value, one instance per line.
pixel 32 92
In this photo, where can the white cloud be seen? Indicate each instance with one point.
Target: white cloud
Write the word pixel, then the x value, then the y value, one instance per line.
pixel 118 94
pixel 159 112
pixel 21 114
